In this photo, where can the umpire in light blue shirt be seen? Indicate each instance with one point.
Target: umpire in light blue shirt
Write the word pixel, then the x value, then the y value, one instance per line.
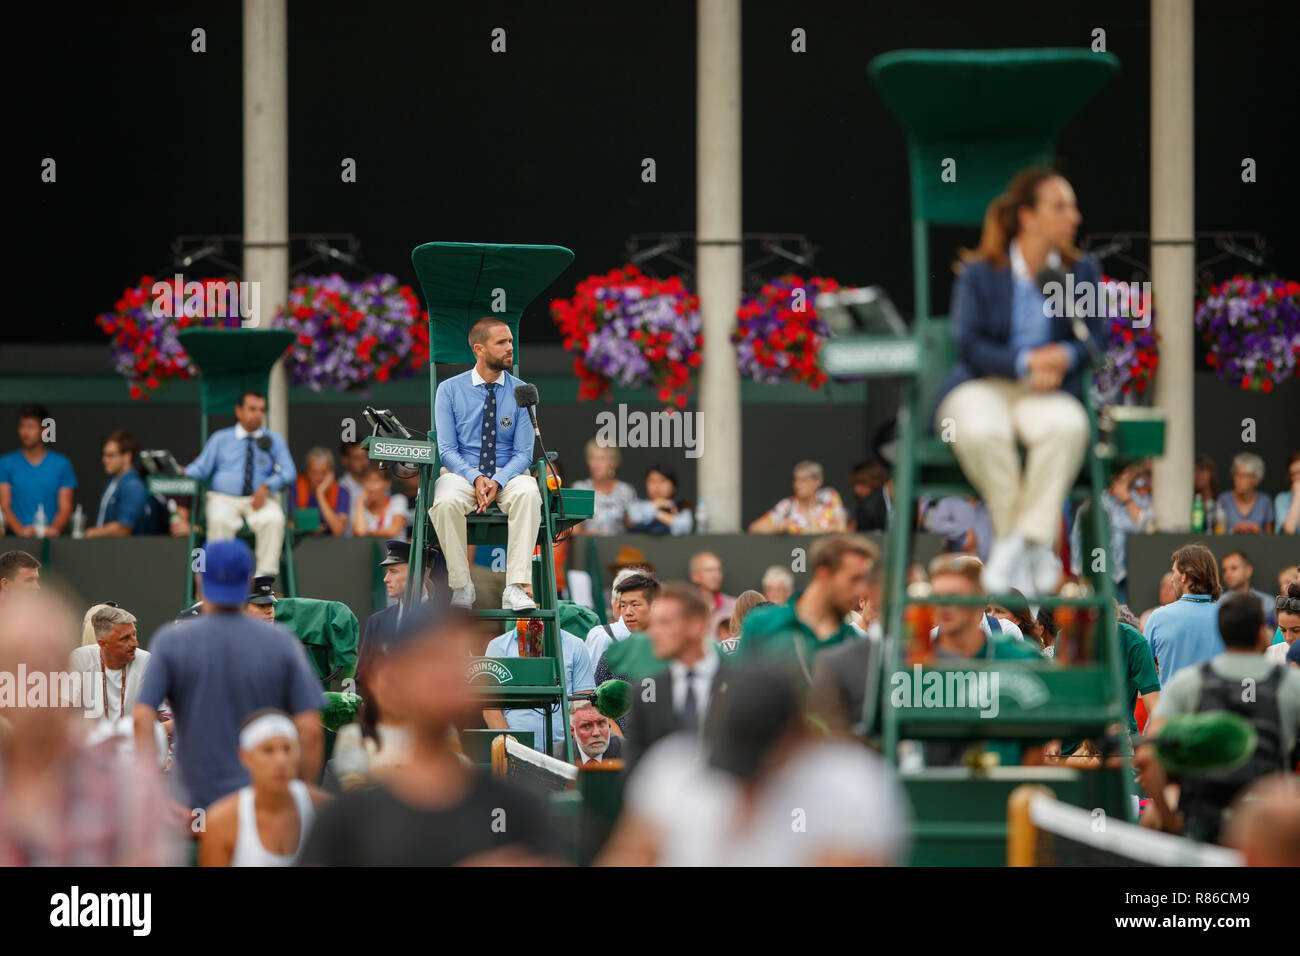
pixel 1186 632
pixel 486 444
pixel 245 466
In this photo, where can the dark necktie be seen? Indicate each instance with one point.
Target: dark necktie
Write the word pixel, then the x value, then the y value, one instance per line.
pixel 248 467
pixel 690 710
pixel 487 456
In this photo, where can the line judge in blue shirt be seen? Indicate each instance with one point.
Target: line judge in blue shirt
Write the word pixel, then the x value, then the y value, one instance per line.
pixel 1186 632
pixel 242 476
pixel 579 677
pixel 1018 376
pixel 486 446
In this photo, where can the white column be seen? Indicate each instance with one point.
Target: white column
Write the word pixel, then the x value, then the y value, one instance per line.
pixel 266 175
pixel 718 257
pixel 1173 252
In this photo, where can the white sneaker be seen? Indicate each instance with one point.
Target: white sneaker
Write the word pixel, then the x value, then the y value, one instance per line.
pixel 515 598
pixel 463 597
pixel 1044 568
pixel 1005 560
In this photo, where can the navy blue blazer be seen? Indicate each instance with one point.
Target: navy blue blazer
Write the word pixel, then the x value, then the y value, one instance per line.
pixel 981 327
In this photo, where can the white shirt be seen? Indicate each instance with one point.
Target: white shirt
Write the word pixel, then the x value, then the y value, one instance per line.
pixel 241 434
pixel 702 679
pixel 477 379
pixel 1020 270
pixel 85 661
pixel 599 641
pixel 832 796
pixel 355 493
pixel 396 508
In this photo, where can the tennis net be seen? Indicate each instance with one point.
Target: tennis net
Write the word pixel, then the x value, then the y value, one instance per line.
pixel 1044 831
pixel 530 768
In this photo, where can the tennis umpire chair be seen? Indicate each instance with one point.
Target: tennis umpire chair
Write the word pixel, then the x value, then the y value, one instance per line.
pixel 992 113
pixel 230 361
pixel 462 283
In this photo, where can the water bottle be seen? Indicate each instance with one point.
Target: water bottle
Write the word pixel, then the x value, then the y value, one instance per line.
pixel 1220 520
pixel 701 517
pixel 78 523
pixel 39 523
pixel 1198 515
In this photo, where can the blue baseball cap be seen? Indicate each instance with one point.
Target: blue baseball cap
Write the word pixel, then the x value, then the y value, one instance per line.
pixel 227 572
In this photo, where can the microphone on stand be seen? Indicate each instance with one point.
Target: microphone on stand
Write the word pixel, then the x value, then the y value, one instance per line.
pixel 263 442
pixel 526 397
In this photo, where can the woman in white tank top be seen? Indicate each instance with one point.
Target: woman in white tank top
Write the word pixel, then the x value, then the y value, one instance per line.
pixel 265 823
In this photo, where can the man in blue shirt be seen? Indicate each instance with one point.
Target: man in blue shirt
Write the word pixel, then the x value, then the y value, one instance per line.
pixel 244 465
pixel 485 442
pixel 123 507
pixel 579 676
pixel 35 480
pixel 1187 632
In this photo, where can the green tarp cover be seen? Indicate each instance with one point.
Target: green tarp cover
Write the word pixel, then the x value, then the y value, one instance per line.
pixel 465 281
pixel 328 629
pixel 993 112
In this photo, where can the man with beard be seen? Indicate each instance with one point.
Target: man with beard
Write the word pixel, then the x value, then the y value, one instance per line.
pixel 592 735
pixel 485 442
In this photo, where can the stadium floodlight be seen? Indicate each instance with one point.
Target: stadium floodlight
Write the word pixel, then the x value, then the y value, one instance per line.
pixel 856 311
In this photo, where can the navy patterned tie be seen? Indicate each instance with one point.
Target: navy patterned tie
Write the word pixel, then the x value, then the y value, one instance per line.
pixel 487 456
pixel 248 467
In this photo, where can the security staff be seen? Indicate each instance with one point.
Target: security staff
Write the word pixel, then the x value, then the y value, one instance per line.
pixel 261 602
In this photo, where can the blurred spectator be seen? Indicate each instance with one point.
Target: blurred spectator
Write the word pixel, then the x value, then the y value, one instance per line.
pixel 812 509
pixel 1129 511
pixel 660 512
pixel 35 482
pixel 840 567
pixel 434 809
pixel 734 808
pixel 317 488
pixel 579 676
pixel 867 476
pixel 1288 623
pixel 1286 506
pixel 378 514
pixel 778 586
pixel 1047 631
pixel 1237 573
pixel 20 573
pixel 63 803
pixel 124 507
pixel 681 695
pixel 1020 616
pixel 1273 707
pixel 1264 826
pixel 1186 632
pixel 964 523
pixel 1246 509
pixel 745 602
pixel 216 670
pixel 592 739
pixel 1206 482
pixel 706 574
pixel 115 664
pixel 876 511
pixel 1168 594
pixel 613 497
pixel 355 461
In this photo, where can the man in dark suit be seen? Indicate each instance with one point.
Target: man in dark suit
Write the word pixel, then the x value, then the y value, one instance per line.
pixel 592 739
pixel 383 624
pixel 1025 313
pixel 680 697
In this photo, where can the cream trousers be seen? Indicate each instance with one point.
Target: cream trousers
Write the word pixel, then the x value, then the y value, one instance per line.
pixel 226 515
pixel 520 500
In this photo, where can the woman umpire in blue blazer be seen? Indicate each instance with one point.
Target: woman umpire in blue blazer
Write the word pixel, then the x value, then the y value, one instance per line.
pixel 1018 374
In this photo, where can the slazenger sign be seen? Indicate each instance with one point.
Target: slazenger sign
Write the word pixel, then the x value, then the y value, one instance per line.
pixel 489 668
pixel 411 452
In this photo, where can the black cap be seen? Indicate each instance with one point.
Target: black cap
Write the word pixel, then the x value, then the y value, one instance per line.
pixel 399 552
pixel 263 590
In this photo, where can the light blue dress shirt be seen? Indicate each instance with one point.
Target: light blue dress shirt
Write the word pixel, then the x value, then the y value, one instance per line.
pixel 458 417
pixel 1030 324
pixel 579 675
pixel 1184 633
pixel 221 463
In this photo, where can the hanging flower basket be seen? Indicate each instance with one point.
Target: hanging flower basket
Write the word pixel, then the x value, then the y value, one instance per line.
pixel 1131 350
pixel 1252 330
pixel 143 327
pixel 628 328
pixel 778 332
pixel 351 335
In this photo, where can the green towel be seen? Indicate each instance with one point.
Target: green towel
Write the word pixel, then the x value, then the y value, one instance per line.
pixel 327 629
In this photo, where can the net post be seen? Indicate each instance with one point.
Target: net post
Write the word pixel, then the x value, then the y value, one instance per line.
pixel 1022 835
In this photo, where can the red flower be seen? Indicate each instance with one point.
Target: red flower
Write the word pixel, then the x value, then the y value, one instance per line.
pixel 693 360
pixel 1245 384
pixel 1267 385
pixel 681 401
pixel 381 373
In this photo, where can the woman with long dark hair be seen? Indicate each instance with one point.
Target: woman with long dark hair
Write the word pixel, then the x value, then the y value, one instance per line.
pixel 1018 377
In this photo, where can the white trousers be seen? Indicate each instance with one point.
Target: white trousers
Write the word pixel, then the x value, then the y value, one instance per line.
pixel 988 416
pixel 226 515
pixel 520 500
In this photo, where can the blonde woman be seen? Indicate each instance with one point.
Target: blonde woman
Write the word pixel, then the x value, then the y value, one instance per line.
pixel 613 497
